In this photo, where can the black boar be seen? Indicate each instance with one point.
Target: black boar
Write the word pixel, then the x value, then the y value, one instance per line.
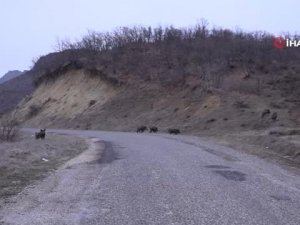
pixel 141 129
pixel 153 129
pixel 173 131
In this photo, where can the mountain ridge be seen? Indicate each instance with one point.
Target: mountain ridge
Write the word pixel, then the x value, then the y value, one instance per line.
pixel 11 75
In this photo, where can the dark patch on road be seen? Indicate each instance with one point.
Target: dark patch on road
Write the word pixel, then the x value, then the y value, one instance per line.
pixel 231 175
pixel 220 154
pixel 280 197
pixel 223 155
pixel 108 154
pixel 217 167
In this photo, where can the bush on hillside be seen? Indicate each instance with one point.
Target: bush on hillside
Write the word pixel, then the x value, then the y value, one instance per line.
pixel 33 110
pixel 8 127
pixel 168 55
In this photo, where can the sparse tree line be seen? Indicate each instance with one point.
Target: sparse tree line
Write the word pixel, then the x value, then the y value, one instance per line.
pixel 168 55
pixel 212 44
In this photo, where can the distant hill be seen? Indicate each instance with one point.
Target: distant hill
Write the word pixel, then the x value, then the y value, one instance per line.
pixel 10 75
pixel 14 90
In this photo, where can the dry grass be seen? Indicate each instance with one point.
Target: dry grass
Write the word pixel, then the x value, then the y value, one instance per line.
pixel 22 162
pixel 283 150
pixel 71 95
pixel 9 129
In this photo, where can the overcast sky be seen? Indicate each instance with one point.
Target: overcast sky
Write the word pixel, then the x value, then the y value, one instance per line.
pixel 30 28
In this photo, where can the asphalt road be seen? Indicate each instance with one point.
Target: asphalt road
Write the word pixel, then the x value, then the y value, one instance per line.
pixel 159 179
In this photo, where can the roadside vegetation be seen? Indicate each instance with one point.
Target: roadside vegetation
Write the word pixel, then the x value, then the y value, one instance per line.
pixel 27 160
pixel 9 127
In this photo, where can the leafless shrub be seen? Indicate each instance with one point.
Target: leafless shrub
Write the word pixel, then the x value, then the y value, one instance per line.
pixel 251 87
pixel 92 102
pixel 211 120
pixel 168 54
pixel 241 104
pixel 33 110
pixel 284 133
pixel 277 105
pixel 8 127
pixel 242 86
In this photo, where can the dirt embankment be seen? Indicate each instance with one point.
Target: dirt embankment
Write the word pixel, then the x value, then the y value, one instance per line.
pixel 70 95
pixel 240 111
pixel 27 160
pixel 80 100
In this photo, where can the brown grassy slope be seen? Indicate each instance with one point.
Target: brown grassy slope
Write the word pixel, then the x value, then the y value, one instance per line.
pixel 78 99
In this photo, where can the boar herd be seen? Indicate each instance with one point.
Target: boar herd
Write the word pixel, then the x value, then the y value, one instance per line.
pixel 154 129
pixel 42 133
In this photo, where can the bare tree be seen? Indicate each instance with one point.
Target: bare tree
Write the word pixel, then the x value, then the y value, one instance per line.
pixel 9 127
pixel 169 54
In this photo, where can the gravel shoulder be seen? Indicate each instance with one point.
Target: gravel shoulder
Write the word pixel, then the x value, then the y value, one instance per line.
pixel 283 150
pixel 27 160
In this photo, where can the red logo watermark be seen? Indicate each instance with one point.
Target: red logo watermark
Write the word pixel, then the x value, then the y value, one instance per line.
pixel 280 42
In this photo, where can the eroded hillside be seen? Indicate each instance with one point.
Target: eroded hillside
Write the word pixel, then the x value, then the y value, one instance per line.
pixel 79 99
pixel 64 99
pixel 243 90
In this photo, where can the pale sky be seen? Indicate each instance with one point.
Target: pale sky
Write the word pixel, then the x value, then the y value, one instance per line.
pixel 30 28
